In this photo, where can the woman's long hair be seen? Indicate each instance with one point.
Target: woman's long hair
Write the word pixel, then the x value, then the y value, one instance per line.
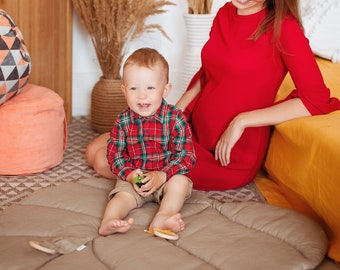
pixel 277 11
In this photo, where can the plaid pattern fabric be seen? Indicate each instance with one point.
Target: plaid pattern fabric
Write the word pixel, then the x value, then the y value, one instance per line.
pixel 15 62
pixel 161 142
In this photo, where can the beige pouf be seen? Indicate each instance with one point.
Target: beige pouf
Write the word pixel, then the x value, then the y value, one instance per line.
pixel 33 131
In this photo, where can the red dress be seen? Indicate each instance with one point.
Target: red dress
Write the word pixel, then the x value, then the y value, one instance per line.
pixel 239 74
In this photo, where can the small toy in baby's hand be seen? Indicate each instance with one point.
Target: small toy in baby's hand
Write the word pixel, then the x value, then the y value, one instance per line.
pixel 138 180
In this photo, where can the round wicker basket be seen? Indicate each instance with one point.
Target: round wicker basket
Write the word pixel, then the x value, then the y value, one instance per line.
pixel 107 101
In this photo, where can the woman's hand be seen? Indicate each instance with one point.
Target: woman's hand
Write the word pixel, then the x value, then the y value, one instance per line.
pixel 152 181
pixel 228 139
pixel 276 114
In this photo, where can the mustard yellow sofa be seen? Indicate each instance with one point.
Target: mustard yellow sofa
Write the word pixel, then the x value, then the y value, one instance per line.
pixel 303 163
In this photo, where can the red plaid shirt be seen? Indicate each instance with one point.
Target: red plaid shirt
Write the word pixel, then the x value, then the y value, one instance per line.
pixel 161 142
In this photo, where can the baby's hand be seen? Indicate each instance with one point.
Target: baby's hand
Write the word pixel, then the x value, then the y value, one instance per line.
pixel 152 181
pixel 134 177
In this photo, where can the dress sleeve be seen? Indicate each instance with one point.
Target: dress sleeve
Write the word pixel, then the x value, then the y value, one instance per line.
pixel 301 64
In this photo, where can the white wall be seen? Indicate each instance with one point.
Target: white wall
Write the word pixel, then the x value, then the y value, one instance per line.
pixel 86 71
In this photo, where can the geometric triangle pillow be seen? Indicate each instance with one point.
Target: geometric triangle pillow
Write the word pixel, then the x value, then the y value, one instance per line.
pixel 15 62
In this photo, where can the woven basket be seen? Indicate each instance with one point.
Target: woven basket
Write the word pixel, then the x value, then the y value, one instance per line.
pixel 107 101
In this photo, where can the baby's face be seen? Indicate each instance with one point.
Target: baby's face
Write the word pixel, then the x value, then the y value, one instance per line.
pixel 144 88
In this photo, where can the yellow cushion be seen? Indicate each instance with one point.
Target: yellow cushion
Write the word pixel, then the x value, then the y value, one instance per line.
pixel 33 131
pixel 304 157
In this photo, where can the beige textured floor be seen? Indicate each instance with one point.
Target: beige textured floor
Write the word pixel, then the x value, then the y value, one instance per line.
pixel 74 168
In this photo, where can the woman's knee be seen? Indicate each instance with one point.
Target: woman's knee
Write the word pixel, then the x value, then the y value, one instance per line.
pixel 89 155
pixel 96 145
pixel 99 160
pixel 101 165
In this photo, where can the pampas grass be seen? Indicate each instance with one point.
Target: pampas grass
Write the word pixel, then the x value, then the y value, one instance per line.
pixel 113 23
pixel 199 6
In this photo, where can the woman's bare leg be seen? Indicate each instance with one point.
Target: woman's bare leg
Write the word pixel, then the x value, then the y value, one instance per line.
pixel 94 146
pixel 96 156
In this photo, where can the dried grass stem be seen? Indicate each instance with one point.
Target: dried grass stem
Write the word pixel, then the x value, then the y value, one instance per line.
pixel 199 6
pixel 113 23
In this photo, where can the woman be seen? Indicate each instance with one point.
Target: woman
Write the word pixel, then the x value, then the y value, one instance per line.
pixel 230 100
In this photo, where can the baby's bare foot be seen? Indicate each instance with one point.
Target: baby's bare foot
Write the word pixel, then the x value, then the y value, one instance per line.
pixel 112 226
pixel 174 223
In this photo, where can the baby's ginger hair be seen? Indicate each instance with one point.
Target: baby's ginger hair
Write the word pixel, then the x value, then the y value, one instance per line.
pixel 148 57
